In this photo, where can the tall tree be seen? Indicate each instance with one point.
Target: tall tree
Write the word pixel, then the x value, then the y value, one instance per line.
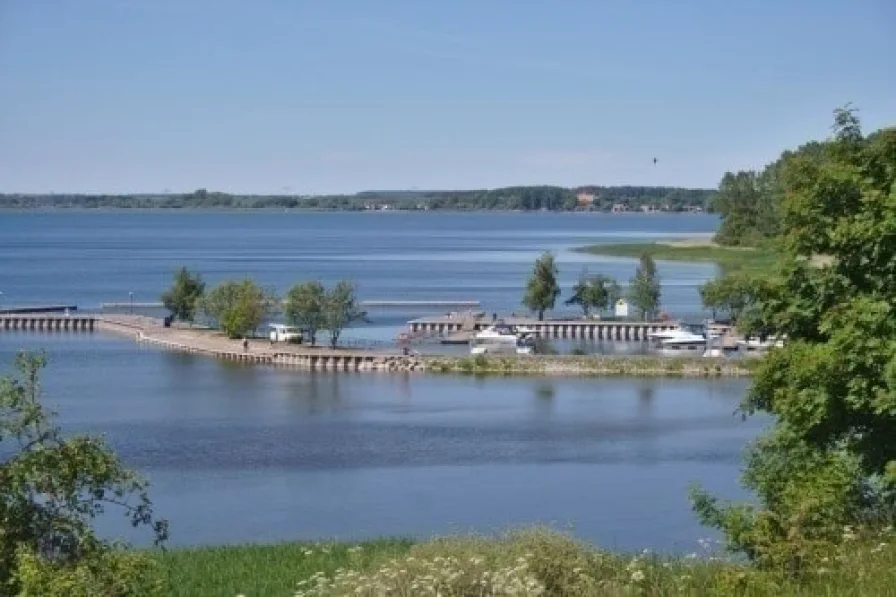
pixel 182 299
pixel 731 294
pixel 829 461
pixel 341 310
pixel 52 486
pixel 644 290
pixel 542 289
pixel 306 308
pixel 594 292
pixel 238 308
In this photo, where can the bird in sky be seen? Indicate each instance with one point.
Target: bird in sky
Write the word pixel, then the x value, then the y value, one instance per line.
pixel 654 161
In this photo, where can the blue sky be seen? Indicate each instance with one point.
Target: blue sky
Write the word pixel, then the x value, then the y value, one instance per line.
pixel 300 96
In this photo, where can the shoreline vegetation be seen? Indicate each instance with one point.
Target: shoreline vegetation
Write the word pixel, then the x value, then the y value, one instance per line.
pixel 697 249
pixel 528 198
pixel 534 561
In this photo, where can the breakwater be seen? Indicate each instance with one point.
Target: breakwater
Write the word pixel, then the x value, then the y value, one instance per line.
pixel 259 352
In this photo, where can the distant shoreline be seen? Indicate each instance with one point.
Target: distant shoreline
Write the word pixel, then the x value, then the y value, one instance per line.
pixel 54 209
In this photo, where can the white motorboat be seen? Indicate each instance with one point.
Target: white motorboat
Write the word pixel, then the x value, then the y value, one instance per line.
pixel 503 339
pixel 677 342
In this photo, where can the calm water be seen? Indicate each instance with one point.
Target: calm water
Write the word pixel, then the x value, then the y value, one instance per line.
pixel 251 454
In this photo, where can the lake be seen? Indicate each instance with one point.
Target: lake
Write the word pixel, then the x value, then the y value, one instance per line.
pixel 240 454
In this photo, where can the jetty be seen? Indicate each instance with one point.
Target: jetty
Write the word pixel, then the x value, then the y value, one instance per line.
pixel 46 321
pixel 460 325
pixel 202 341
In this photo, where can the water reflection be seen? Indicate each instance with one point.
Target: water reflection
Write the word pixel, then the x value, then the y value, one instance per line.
pixel 284 454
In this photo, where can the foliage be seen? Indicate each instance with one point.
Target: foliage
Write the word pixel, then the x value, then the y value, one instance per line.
pixel 594 292
pixel 306 305
pixel 238 308
pixel 110 572
pixel 542 289
pixel 182 299
pixel 731 295
pixel 829 462
pixel 644 290
pixel 341 310
pixel 51 488
pixel 750 202
pixel 260 570
pixel 729 259
pixel 864 567
pixel 515 198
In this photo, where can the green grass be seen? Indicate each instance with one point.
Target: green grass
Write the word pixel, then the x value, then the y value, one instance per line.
pixel 728 258
pixel 274 569
pixel 558 564
pixel 590 365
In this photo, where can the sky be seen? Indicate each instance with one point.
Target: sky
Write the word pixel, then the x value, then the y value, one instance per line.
pixel 339 96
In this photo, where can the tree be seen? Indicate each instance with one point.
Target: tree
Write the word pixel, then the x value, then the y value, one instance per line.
pixel 644 290
pixel 542 289
pixel 51 488
pixel 594 292
pixel 238 307
pixel 341 310
pixel 731 294
pixel 306 308
pixel 183 297
pixel 829 461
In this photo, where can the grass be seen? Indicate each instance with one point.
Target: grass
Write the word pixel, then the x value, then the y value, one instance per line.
pixel 728 258
pixel 529 562
pixel 265 569
pixel 592 365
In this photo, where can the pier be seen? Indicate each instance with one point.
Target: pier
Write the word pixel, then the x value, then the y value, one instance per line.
pixel 590 329
pixel 50 322
pixel 371 304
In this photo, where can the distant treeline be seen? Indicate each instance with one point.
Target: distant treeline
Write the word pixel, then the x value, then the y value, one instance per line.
pixel 589 198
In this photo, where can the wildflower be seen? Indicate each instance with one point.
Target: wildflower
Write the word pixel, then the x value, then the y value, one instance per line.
pixel 638 575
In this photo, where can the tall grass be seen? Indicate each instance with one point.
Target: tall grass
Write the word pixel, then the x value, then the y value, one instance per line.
pixel 529 562
pixel 266 569
pixel 728 258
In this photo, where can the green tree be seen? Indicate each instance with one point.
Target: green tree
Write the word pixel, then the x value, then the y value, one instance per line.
pixel 238 308
pixel 51 488
pixel 594 292
pixel 183 297
pixel 542 289
pixel 306 308
pixel 829 461
pixel 731 294
pixel 644 290
pixel 341 310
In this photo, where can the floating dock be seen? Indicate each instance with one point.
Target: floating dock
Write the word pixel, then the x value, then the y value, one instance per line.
pixel 454 326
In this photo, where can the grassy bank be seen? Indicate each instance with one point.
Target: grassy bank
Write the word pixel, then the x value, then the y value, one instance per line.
pixel 531 562
pixel 590 365
pixel 728 258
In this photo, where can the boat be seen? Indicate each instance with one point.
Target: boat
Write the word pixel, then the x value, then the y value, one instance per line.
pixel 677 342
pixel 503 339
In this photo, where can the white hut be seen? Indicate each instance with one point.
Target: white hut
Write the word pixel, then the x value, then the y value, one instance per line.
pixel 621 309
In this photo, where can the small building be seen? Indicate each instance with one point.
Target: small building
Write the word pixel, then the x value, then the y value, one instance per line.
pixel 585 199
pixel 621 308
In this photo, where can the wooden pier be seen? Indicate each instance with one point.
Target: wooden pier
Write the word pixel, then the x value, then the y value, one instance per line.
pixel 590 329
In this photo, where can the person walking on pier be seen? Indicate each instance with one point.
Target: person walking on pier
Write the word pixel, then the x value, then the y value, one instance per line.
pixel 245 345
